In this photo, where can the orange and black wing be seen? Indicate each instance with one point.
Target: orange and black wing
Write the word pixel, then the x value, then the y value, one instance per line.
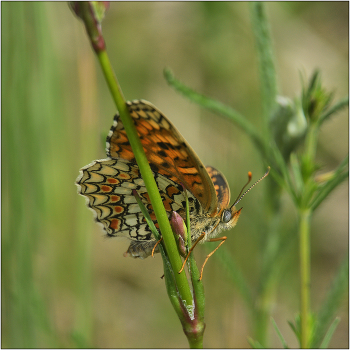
pixel 222 188
pixel 108 184
pixel 167 152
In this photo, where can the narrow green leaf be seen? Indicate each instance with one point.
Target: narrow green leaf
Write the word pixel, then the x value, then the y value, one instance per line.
pixel 216 107
pixel 295 329
pixel 344 164
pixel 313 81
pixel 332 302
pixel 254 344
pixel 315 98
pixel 329 334
pixel 145 213
pixel 154 230
pixel 279 334
pixel 336 108
pixel 340 174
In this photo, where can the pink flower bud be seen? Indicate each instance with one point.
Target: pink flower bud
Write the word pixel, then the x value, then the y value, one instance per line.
pixel 92 13
pixel 180 232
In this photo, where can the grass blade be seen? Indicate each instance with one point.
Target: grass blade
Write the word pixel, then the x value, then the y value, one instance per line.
pixel 340 174
pixel 332 303
pixel 329 333
pixel 280 336
pixel 216 107
pixel 336 108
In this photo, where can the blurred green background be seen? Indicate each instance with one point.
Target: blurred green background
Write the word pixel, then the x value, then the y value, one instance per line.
pixel 63 283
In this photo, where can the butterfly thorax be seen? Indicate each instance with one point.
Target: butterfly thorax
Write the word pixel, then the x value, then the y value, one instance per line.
pixel 212 226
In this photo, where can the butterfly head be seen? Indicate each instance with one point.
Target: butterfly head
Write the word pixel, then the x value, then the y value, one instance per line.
pixel 229 217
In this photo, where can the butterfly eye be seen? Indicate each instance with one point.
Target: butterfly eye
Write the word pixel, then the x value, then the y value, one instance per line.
pixel 226 216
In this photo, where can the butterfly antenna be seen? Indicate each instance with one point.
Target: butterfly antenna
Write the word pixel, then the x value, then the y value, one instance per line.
pixel 240 196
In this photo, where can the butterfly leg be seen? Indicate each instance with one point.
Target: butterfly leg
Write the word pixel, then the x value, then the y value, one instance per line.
pixel 222 239
pixel 195 243
pixel 155 246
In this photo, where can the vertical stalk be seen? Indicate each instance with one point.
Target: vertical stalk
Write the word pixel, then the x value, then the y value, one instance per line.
pixel 147 176
pixel 266 62
pixel 269 90
pixel 304 256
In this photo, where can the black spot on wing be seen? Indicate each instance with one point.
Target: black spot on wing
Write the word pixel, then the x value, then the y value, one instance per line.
pixel 162 153
pixel 163 145
pixel 165 165
pixel 154 168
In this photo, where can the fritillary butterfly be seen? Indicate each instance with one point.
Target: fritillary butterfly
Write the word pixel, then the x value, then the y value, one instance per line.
pixel 108 183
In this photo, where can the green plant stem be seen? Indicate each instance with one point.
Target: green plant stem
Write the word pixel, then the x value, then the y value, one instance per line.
pixel 152 189
pixel 266 60
pixel 304 255
pixel 196 326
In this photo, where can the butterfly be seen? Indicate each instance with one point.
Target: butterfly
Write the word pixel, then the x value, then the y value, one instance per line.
pixel 108 184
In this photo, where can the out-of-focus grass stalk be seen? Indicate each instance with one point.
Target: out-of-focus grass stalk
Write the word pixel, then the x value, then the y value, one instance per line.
pixel 265 61
pixel 21 185
pixel 269 91
pixel 82 334
pixel 26 83
pixel 38 183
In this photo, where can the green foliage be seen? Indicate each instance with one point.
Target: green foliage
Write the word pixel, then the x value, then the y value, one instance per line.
pixel 63 284
pixel 290 147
